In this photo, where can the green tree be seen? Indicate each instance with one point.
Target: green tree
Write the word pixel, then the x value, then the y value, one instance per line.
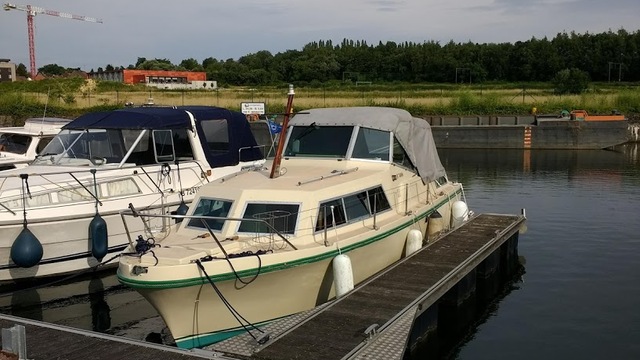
pixel 21 70
pixel 140 61
pixel 52 69
pixel 156 64
pixel 191 64
pixel 571 81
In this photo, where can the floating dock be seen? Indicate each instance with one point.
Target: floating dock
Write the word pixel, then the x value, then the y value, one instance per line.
pixel 388 316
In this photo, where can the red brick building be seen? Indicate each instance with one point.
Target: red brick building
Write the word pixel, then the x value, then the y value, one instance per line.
pixel 160 76
pixel 150 76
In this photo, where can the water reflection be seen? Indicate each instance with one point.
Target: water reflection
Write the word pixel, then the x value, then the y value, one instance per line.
pixel 487 305
pixel 536 161
pixel 100 311
pixel 81 300
pixel 581 246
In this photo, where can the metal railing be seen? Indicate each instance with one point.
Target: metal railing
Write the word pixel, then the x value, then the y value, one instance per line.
pixel 260 222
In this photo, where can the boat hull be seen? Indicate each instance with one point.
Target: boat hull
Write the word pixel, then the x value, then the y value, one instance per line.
pixel 65 243
pixel 196 315
pixel 63 229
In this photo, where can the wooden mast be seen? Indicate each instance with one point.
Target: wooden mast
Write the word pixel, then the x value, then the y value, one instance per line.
pixel 275 169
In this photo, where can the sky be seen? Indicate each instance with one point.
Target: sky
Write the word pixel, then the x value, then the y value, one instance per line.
pixel 223 29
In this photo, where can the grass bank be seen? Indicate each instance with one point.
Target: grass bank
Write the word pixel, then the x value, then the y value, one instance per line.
pixel 72 97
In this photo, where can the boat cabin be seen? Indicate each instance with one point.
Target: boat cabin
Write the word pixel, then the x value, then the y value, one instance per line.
pixel 338 172
pixel 149 136
pixel 19 145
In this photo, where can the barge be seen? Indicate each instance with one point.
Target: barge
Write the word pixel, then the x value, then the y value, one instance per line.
pixel 568 130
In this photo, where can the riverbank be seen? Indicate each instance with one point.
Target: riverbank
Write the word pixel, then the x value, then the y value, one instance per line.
pixel 71 99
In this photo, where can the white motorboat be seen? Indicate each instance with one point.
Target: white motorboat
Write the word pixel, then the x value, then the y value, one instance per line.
pixel 19 145
pixel 60 215
pixel 352 195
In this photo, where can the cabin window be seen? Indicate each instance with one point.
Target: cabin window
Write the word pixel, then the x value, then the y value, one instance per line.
pixel 378 200
pixel 216 134
pixel 357 206
pixel 351 208
pixel 281 217
pixel 372 144
pixel 76 194
pixel 325 141
pixel 182 145
pixel 34 201
pixel 122 187
pixel 265 139
pixel 328 216
pixel 163 146
pixel 43 143
pixel 400 156
pixel 129 137
pixel 104 144
pixel 96 145
pixel 14 143
pixel 213 208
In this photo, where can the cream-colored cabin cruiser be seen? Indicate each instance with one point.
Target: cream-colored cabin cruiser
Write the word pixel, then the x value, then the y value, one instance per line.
pixel 352 195
pixel 61 214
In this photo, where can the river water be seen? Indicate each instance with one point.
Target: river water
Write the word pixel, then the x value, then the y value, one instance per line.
pixel 579 296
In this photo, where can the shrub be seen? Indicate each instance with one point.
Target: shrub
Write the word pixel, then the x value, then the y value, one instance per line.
pixel 571 81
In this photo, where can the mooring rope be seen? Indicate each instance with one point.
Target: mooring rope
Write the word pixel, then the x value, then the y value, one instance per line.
pixel 232 310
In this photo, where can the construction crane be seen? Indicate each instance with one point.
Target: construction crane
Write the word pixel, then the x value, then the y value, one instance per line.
pixel 32 11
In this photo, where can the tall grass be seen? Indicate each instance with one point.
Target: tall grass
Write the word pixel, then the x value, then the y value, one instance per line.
pixel 69 98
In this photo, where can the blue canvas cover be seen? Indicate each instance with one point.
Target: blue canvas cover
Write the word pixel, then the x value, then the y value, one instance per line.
pixel 240 135
pixel 133 119
pixel 157 118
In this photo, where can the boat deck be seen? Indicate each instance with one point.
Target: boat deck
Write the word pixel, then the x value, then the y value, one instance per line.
pixel 346 328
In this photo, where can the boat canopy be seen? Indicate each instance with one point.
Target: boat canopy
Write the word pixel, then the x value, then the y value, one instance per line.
pixel 133 119
pixel 241 145
pixel 413 134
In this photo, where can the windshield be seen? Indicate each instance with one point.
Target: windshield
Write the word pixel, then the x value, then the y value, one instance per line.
pixel 84 147
pixel 325 141
pixel 14 143
pixel 213 208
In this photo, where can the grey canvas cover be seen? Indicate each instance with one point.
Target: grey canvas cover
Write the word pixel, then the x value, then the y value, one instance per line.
pixel 414 134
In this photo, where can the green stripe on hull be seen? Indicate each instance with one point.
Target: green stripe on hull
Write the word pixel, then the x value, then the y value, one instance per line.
pixel 199 341
pixel 276 267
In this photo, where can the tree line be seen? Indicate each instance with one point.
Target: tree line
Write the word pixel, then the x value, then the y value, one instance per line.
pixel 609 56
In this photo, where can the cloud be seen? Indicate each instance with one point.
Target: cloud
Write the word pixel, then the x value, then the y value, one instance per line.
pixel 232 28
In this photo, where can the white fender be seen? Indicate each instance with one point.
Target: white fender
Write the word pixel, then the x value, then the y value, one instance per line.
pixel 414 242
pixel 459 213
pixel 342 274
